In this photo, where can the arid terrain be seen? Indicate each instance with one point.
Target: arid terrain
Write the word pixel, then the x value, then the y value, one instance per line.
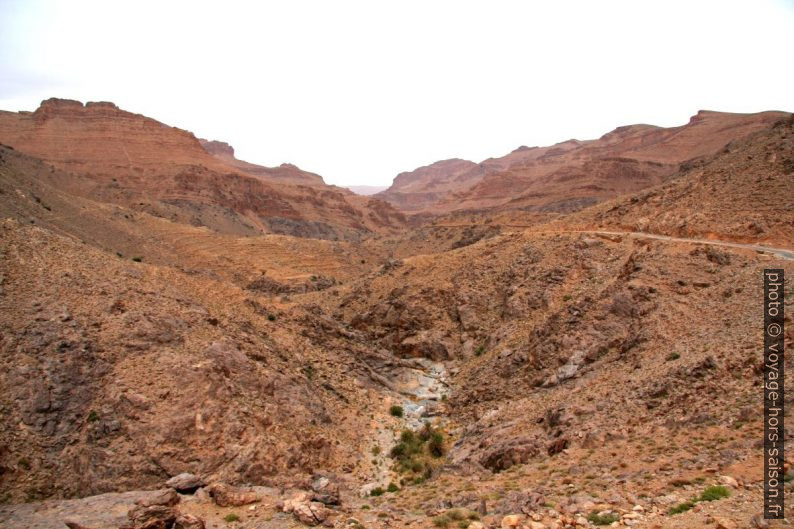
pixel 567 336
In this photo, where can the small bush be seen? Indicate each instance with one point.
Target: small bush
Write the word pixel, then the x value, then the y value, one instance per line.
pixel 271 317
pixel 715 492
pixel 682 507
pixel 436 444
pixel 231 517
pixel 376 450
pixel 396 411
pixel 441 521
pixel 392 488
pixel 460 518
pixel 308 370
pixel 605 519
pixel 788 477
pixel 673 356
pixel 377 491
pixel 93 416
pixel 479 351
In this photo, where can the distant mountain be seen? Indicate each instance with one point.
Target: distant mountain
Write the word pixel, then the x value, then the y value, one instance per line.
pixel 133 160
pixel 572 174
pixel 366 190
pixel 741 194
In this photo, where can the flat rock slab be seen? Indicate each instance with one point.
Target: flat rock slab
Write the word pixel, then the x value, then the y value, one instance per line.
pixel 102 511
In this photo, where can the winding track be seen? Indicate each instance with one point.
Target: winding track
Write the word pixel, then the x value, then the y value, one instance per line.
pixel 783 253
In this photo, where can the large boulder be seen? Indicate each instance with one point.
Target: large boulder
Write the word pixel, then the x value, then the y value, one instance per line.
pixel 311 513
pixel 151 517
pixel 227 496
pixel 186 483
pixel 325 491
pixel 188 521
pixel 167 497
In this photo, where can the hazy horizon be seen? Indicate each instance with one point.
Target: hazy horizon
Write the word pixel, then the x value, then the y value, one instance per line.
pixel 398 86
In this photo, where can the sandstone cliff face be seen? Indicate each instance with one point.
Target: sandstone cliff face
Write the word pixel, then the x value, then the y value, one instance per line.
pixel 572 174
pixel 136 161
pixel 285 173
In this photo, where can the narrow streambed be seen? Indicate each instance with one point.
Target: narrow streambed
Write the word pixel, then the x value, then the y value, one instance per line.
pixel 419 386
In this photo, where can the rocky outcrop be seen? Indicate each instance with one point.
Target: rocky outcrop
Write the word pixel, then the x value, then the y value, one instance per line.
pixel 135 161
pixel 573 174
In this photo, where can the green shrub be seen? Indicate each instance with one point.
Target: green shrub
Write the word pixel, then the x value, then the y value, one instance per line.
pixel 415 450
pixel 392 488
pixel 436 444
pixel 673 356
pixel 377 491
pixel 396 411
pixel 682 507
pixel 605 519
pixel 93 416
pixel 441 521
pixel 479 351
pixel 715 492
pixel 231 517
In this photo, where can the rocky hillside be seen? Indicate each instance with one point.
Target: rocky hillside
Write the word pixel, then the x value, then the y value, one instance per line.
pixel 573 174
pixel 743 194
pixel 420 189
pixel 135 161
pixel 468 372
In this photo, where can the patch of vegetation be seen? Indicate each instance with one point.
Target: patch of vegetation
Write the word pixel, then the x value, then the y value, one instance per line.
pixel 455 516
pixel 416 452
pixel 396 411
pixel 93 416
pixel 673 356
pixel 567 297
pixel 715 492
pixel 24 463
pixel 788 477
pixel 377 491
pixel 602 519
pixel 231 517
pixel 271 317
pixel 137 259
pixel 392 488
pixel 479 351
pixel 308 370
pixel 712 493
pixel 375 450
pixel 682 507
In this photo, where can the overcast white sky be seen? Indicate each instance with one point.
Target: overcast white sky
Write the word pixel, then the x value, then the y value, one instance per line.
pixel 359 91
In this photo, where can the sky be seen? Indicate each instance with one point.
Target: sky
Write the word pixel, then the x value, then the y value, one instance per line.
pixel 359 91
